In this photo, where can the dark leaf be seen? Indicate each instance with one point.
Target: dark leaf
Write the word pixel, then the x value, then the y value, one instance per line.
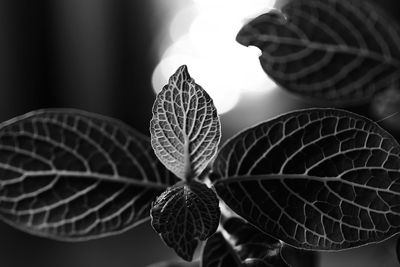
pixel 185 128
pixel 322 179
pixel 73 175
pixel 185 213
pixel 298 257
pixel 333 50
pixel 244 245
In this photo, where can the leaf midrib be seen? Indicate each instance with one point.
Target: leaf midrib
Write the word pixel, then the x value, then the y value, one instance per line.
pixel 366 53
pixel 88 175
pixel 244 178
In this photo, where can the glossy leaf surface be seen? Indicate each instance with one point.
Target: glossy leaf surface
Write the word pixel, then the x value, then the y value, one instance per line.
pixel 185 128
pixel 184 214
pixel 242 245
pixel 333 50
pixel 73 175
pixel 321 179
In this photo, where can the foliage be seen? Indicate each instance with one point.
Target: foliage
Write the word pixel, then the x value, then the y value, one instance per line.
pixel 317 179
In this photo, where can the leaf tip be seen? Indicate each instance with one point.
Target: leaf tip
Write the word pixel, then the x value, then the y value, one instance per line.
pixel 252 32
pixel 184 71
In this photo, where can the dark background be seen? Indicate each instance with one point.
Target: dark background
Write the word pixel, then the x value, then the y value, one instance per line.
pixel 98 55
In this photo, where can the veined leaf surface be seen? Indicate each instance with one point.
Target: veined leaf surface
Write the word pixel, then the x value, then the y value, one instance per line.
pixel 185 128
pixel 185 213
pixel 242 245
pixel 339 51
pixel 322 179
pixel 73 175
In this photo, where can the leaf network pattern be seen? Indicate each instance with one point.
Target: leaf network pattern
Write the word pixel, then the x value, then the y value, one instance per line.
pixel 185 128
pixel 73 175
pixel 321 179
pixel 185 213
pixel 340 51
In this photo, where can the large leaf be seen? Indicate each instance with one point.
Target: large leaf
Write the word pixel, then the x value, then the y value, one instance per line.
pixel 73 175
pixel 322 179
pixel 244 245
pixel 342 51
pixel 185 213
pixel 185 128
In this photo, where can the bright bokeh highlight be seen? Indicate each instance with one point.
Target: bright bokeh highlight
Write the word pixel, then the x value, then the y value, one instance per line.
pixel 203 35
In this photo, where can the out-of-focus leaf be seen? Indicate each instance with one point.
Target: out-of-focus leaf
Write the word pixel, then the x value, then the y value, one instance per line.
pixel 175 264
pixel 185 128
pixel 185 213
pixel 73 175
pixel 385 108
pixel 323 179
pixel 244 245
pixel 333 50
pixel 298 257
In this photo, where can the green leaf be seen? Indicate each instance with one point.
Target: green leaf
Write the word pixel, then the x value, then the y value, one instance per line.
pixel 185 128
pixel 244 245
pixel 338 51
pixel 321 179
pixel 185 213
pixel 72 175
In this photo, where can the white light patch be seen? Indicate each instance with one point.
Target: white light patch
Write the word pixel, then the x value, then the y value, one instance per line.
pixel 224 68
pixel 225 98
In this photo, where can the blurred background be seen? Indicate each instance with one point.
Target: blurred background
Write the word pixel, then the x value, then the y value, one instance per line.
pixel 110 57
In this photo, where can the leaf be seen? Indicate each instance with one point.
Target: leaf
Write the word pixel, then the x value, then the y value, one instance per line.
pixel 185 128
pixel 338 51
pixel 72 175
pixel 244 245
pixel 299 257
pixel 183 214
pixel 321 179
pixel 385 108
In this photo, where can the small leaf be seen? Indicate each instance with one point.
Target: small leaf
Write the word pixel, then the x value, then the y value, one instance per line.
pixel 185 128
pixel 245 245
pixel 183 214
pixel 322 179
pixel 333 50
pixel 73 175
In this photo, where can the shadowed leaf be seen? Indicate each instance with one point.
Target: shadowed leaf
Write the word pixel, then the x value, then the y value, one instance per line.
pixel 322 179
pixel 185 213
pixel 245 245
pixel 185 128
pixel 333 50
pixel 73 175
